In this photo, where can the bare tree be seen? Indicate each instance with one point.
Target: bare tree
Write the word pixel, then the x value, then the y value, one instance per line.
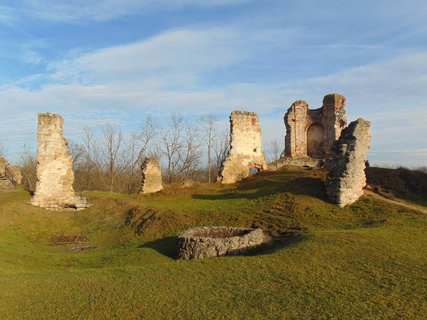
pixel 273 150
pixel 190 151
pixel 171 144
pixel 221 146
pixel 77 151
pixel 2 149
pixel 209 133
pixel 28 166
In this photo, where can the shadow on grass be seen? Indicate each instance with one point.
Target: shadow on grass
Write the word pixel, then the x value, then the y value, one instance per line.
pixel 247 189
pixel 279 244
pixel 166 246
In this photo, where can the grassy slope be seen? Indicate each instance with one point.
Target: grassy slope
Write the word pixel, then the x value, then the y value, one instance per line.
pixel 364 261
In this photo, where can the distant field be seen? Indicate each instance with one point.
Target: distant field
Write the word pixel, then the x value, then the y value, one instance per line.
pixel 365 261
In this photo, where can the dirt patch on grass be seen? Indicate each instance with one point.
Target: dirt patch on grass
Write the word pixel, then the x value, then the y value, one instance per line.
pixel 83 248
pixel 61 240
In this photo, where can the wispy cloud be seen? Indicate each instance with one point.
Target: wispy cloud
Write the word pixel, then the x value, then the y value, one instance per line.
pixel 104 10
pixel 172 71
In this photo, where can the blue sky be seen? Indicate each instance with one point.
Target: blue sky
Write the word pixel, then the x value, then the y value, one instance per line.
pixel 116 60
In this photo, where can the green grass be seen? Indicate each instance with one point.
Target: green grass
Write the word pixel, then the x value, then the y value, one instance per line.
pixel 365 261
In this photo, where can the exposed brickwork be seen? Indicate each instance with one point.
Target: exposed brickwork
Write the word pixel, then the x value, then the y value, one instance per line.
pixel 151 176
pixel 245 148
pixel 346 178
pixel 206 242
pixel 55 176
pixel 311 133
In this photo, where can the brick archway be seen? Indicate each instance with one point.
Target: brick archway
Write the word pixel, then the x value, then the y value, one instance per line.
pixel 315 141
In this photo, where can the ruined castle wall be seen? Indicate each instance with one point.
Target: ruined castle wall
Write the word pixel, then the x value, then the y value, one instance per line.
pixel 334 120
pixel 151 176
pixel 55 177
pixel 3 163
pixel 311 132
pixel 296 120
pixel 245 147
pixel 346 178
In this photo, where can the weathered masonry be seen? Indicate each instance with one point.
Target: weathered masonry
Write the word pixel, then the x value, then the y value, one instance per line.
pixel 312 132
pixel 55 176
pixel 9 174
pixel 245 148
pixel 151 176
pixel 346 178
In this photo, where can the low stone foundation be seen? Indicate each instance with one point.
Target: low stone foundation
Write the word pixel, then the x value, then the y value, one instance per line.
pixel 301 162
pixel 206 242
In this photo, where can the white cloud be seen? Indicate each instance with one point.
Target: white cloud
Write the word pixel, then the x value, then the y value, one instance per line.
pixel 32 57
pixel 168 72
pixel 398 82
pixel 177 56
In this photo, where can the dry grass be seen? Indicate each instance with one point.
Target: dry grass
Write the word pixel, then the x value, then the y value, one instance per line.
pixel 365 261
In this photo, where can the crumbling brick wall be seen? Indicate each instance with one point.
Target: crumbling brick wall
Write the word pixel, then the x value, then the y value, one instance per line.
pixel 151 176
pixel 55 176
pixel 245 148
pixel 312 132
pixel 346 178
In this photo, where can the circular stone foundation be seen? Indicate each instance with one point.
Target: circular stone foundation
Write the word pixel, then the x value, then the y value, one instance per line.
pixel 205 242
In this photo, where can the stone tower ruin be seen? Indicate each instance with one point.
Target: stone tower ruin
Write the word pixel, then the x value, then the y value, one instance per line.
pixel 55 176
pixel 346 178
pixel 245 148
pixel 151 176
pixel 312 132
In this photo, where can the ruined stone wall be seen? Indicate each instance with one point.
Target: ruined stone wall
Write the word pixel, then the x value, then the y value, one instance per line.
pixel 346 178
pixel 311 133
pixel 55 177
pixel 151 176
pixel 3 163
pixel 9 172
pixel 245 148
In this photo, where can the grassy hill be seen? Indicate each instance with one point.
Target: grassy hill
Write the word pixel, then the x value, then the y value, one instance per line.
pixel 365 261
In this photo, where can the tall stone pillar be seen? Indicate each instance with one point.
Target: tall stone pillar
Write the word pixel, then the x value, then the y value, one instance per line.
pixel 55 176
pixel 296 120
pixel 334 120
pixel 346 178
pixel 151 176
pixel 245 148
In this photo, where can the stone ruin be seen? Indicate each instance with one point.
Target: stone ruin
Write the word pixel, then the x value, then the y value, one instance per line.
pixel 245 148
pixel 55 176
pixel 151 176
pixel 206 242
pixel 312 132
pixel 346 178
pixel 9 175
